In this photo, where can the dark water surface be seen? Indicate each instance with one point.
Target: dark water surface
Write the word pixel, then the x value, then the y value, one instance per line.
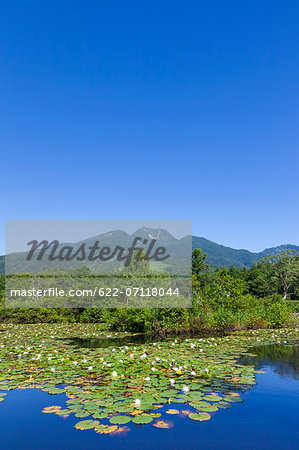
pixel 268 418
pixel 105 342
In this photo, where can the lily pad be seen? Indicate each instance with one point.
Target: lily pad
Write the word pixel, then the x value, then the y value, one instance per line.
pixel 142 419
pixel 120 420
pixel 86 424
pixel 199 416
pixel 212 398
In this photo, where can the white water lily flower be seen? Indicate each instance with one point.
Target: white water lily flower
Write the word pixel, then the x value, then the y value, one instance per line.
pixel 89 368
pixel 193 373
pixel 153 369
pixel 85 360
pixel 185 389
pixel 172 382
pixel 143 356
pixel 207 370
pixel 114 373
pixel 148 379
pixel 137 402
pixel 75 363
pixel 52 369
pixel 192 345
pixel 157 358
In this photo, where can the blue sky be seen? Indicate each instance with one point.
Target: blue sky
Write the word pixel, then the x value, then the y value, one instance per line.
pixel 154 110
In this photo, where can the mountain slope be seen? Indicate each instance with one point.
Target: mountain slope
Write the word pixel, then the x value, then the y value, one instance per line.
pixel 217 255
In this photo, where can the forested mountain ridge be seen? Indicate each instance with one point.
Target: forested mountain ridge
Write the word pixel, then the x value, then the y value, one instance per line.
pixel 221 256
pixel 217 255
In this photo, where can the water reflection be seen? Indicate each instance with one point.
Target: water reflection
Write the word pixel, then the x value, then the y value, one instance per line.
pixel 106 342
pixel 283 359
pixel 137 339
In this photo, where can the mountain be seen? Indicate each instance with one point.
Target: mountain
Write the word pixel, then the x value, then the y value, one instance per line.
pixel 217 255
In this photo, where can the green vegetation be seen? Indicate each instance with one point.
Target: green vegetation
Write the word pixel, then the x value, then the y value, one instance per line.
pixel 217 255
pixel 262 296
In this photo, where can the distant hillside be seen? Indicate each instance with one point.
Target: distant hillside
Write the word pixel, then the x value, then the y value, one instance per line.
pixel 217 255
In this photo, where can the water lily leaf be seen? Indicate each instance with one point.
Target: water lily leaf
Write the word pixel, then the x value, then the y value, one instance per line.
pixel 195 395
pixel 169 393
pixel 82 414
pixel 178 400
pixel 51 409
pixel 105 429
pixel 54 391
pixel 200 404
pixel 120 420
pixel 100 415
pixel 172 411
pixel 199 416
pixel 86 424
pixel 212 398
pixel 63 412
pixel 142 419
pixel 211 408
pixel 233 399
pixel 224 405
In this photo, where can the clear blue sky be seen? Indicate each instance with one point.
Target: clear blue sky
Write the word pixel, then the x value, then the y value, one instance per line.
pixel 159 110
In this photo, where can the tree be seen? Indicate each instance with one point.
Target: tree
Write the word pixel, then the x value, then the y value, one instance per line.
pixel 198 262
pixel 284 271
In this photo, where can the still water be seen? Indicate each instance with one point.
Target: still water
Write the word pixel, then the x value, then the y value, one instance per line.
pixel 267 419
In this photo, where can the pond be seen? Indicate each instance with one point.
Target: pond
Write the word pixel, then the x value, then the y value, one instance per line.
pixel 133 339
pixel 267 418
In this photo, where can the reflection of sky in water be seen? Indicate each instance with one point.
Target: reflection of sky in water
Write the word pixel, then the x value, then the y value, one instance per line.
pixel 267 419
pixel 283 359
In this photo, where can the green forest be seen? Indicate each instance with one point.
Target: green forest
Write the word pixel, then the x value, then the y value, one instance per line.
pixel 262 296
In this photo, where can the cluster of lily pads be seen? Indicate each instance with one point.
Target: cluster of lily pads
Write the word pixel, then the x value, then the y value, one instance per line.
pixel 110 387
